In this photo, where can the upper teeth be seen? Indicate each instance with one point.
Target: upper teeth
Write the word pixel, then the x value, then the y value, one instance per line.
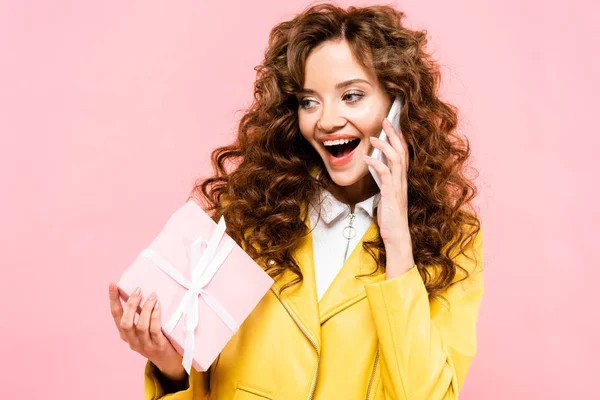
pixel 337 142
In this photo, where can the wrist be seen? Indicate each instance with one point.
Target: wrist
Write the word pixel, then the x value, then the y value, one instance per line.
pixel 171 381
pixel 175 373
pixel 399 259
pixel 398 249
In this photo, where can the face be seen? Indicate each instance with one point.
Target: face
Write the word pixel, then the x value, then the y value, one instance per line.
pixel 340 107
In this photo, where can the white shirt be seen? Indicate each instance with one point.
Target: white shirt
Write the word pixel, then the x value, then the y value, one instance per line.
pixel 331 248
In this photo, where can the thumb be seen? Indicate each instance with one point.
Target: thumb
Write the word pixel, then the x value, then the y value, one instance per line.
pixel 115 302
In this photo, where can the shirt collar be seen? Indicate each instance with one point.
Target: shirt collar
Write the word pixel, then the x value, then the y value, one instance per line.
pixel 332 208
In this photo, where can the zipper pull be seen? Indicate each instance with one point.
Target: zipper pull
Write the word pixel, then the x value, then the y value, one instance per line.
pixel 349 231
pixel 352 216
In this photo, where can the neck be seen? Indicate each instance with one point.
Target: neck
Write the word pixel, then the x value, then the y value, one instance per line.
pixel 355 193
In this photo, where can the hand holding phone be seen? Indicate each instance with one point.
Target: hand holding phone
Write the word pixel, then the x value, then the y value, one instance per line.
pixel 394 118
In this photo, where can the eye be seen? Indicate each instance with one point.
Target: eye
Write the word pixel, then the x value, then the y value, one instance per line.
pixel 303 103
pixel 355 94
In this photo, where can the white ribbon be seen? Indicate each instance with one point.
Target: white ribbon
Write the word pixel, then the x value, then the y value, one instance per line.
pixel 204 264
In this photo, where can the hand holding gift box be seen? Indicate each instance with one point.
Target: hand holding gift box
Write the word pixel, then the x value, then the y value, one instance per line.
pixel 206 283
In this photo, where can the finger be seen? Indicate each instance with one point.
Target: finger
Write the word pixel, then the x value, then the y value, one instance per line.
pixel 143 325
pixel 383 171
pixel 127 320
pixel 397 141
pixel 406 153
pixel 158 337
pixel 394 158
pixel 116 309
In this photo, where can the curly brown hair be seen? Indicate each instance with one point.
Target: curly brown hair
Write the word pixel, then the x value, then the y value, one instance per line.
pixel 264 192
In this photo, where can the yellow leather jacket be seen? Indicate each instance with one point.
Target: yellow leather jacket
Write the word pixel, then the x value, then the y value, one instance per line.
pixel 368 338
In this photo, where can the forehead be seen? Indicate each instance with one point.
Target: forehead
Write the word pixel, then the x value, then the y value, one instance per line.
pixel 333 62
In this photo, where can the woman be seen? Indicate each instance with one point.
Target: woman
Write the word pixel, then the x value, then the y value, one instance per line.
pixel 376 291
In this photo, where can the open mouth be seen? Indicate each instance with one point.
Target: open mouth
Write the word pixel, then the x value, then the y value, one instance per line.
pixel 341 148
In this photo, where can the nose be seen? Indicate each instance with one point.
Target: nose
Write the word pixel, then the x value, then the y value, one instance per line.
pixel 330 120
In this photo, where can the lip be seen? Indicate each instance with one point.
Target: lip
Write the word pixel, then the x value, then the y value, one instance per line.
pixel 341 161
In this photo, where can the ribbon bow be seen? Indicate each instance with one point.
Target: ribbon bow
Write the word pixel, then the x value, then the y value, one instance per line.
pixel 204 264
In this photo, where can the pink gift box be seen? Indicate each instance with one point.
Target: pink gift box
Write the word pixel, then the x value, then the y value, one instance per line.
pixel 238 284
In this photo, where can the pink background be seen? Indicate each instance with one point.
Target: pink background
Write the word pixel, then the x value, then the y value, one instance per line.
pixel 109 110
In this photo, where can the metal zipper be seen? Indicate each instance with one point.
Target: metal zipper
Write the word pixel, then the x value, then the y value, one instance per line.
pixel 373 374
pixel 314 383
pixel 352 216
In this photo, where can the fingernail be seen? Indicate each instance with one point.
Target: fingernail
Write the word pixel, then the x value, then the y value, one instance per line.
pixel 137 292
pixel 152 297
pixel 373 138
pixel 157 305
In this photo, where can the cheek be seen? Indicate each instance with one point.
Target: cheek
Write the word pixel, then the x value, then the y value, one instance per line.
pixel 370 127
pixel 305 129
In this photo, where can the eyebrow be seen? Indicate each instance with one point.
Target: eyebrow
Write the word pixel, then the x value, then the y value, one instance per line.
pixel 339 85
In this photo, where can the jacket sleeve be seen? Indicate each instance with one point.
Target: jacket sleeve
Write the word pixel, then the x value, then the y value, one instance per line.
pixel 197 389
pixel 426 348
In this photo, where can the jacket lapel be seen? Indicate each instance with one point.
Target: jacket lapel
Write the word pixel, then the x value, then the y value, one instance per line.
pixel 300 299
pixel 346 289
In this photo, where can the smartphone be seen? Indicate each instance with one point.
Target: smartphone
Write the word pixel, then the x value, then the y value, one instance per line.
pixel 394 117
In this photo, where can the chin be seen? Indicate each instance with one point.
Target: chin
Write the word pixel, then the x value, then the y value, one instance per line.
pixel 348 177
